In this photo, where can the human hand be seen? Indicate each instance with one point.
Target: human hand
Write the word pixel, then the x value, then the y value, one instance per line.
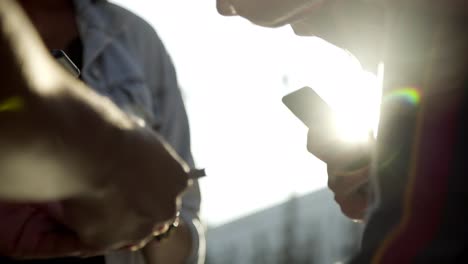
pixel 119 187
pixel 138 192
pixel 117 182
pixel 351 190
pixel 348 170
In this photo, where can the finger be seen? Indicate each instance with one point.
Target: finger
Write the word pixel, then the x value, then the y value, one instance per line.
pixel 338 153
pixel 353 204
pixel 351 191
pixel 320 146
pixel 161 229
pixel 343 183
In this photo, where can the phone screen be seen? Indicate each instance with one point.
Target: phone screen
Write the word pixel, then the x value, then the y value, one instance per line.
pixel 66 62
pixel 310 108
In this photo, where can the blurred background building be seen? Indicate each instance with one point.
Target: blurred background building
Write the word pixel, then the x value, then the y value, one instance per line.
pixel 307 229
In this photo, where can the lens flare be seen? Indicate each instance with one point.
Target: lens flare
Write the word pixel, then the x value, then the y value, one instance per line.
pixel 408 94
pixel 12 104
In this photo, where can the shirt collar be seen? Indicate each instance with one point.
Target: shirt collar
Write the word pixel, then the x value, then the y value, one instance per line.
pixel 97 28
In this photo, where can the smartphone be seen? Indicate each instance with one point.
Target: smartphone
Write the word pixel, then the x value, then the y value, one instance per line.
pixel 318 116
pixel 310 108
pixel 66 62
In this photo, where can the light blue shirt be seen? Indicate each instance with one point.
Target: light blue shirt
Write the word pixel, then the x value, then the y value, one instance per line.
pixel 124 59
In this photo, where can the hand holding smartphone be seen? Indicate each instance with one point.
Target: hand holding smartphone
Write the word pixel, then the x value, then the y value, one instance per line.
pixel 323 137
pixel 318 116
pixel 348 164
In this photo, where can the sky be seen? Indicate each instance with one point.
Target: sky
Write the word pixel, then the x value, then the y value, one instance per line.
pixel 233 75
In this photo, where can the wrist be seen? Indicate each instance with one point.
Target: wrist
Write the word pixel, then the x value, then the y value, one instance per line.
pixel 176 249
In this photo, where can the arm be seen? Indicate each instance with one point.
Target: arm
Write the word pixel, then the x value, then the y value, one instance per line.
pixel 65 132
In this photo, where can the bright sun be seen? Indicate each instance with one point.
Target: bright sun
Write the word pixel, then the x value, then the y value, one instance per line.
pixel 358 112
pixel 352 93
